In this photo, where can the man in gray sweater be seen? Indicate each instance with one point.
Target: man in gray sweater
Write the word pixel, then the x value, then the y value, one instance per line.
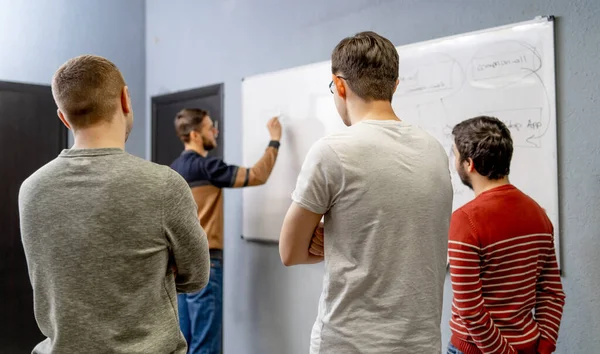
pixel 109 238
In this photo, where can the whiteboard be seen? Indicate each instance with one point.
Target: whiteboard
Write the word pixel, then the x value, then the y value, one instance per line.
pixel 507 72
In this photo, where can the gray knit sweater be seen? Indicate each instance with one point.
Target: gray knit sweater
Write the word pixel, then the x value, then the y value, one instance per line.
pixel 101 231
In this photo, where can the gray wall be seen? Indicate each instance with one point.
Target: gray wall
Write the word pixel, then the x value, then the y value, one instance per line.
pixel 270 309
pixel 37 36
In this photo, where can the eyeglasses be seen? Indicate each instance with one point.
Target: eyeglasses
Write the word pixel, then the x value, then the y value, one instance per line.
pixel 331 83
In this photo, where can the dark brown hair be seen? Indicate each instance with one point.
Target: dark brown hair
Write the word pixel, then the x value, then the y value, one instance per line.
pixel 369 63
pixel 487 141
pixel 188 120
pixel 87 89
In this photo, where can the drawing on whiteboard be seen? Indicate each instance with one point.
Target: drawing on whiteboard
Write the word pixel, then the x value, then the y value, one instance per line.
pixel 431 109
pixel 424 85
pixel 534 139
pixel 447 133
pixel 503 63
pixel 437 72
pixel 431 117
pixel 513 67
pixel 525 125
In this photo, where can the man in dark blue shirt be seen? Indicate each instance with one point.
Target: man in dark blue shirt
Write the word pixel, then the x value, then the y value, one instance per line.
pixel 200 314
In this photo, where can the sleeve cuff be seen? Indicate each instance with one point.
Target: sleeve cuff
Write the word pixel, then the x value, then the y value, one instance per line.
pixel 545 346
pixel 234 176
pixel 310 206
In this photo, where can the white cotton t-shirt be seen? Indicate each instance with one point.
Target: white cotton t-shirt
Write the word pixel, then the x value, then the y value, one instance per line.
pixel 385 190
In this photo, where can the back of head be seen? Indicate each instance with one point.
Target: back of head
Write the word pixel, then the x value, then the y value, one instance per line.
pixel 188 120
pixel 369 64
pixel 87 90
pixel 487 141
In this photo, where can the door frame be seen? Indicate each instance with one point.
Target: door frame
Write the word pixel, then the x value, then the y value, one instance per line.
pixel 36 89
pixel 202 92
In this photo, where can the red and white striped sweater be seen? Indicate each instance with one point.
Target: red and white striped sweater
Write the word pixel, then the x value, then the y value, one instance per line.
pixel 508 296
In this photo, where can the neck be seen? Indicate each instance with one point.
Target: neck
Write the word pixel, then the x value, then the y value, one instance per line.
pixel 100 136
pixel 486 184
pixel 199 149
pixel 371 110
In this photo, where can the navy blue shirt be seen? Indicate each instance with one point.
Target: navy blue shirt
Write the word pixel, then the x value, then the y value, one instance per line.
pixel 198 170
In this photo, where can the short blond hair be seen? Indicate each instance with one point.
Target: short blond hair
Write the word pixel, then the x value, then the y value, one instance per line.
pixel 87 90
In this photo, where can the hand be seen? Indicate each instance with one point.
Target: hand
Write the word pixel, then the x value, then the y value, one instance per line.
pixel 274 127
pixel 174 268
pixel 316 247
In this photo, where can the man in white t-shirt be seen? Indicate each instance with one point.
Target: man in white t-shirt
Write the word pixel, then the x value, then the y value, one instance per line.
pixel 384 188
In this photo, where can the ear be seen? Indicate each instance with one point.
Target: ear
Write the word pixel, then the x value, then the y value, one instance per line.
pixel 339 86
pixel 396 86
pixel 62 118
pixel 125 100
pixel 470 165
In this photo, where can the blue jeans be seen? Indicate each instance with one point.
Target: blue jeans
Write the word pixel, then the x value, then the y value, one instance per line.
pixel 452 349
pixel 201 314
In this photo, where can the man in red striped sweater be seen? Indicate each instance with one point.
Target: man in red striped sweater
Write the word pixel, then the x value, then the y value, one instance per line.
pixel 508 296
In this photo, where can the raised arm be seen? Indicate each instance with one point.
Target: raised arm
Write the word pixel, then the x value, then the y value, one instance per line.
pixel 186 238
pixel 260 172
pixel 223 175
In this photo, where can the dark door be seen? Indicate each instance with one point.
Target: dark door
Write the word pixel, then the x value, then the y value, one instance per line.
pixel 30 136
pixel 166 146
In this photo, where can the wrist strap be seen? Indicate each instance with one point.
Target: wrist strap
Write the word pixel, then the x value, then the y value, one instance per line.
pixel 274 143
